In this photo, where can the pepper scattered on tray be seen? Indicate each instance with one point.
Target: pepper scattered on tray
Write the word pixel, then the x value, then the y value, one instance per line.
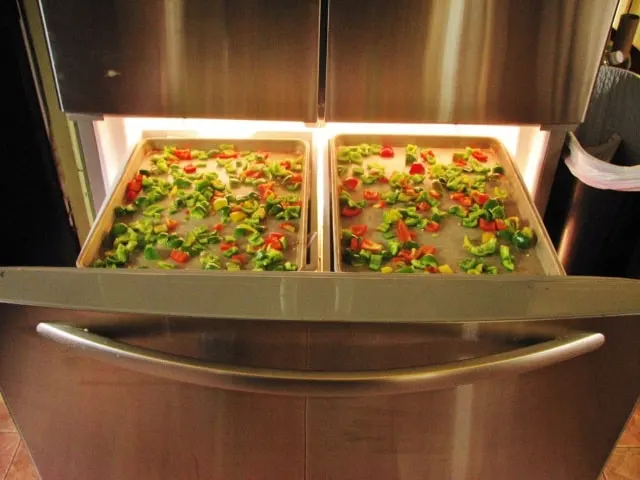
pixel 425 198
pixel 177 184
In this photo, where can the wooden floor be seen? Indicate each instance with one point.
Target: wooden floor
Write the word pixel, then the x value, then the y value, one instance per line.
pixel 15 463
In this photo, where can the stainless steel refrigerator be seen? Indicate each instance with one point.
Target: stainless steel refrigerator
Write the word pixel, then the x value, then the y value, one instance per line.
pixel 315 374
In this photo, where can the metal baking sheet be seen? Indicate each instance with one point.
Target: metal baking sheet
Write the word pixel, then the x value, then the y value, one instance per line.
pixel 97 240
pixel 539 260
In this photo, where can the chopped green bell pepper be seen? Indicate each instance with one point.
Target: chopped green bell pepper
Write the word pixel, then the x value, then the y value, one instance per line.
pixel 506 258
pixel 481 250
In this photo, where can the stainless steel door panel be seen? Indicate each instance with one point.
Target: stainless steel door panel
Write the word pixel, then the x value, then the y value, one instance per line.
pixel 556 423
pixel 252 59
pixel 84 419
pixel 464 61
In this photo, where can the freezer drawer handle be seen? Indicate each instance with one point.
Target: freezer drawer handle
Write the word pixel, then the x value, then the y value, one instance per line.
pixel 323 383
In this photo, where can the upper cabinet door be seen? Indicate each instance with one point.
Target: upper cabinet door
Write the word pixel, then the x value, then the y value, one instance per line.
pixel 464 61
pixel 253 59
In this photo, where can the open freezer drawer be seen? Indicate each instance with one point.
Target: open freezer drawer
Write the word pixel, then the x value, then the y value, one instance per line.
pixel 370 183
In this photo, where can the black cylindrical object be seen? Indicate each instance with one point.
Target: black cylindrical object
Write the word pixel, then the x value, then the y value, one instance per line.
pixel 625 34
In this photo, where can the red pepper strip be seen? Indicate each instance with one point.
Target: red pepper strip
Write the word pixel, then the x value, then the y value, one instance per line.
pixel 480 198
pixel 403 232
pixel 407 255
pixel 425 250
pixel 435 194
pixel 172 224
pixel 274 236
pixel 131 195
pixel 382 179
pixel 395 261
pixel 432 227
pixel 500 224
pixel 432 269
pixel 189 168
pixel 217 227
pixel 182 153
pixel 417 169
pixel 380 204
pixel 253 173
pixel 459 162
pixel 273 244
pixel 480 156
pixel 179 256
pixel 423 207
pixel 350 183
pixel 351 212
pixel 288 226
pixel 224 246
pixel 139 177
pixel 386 152
pixel 487 225
pixel 354 244
pixel 296 178
pixel 239 258
pixel 370 245
pixel 227 155
pixel 371 195
pixel 466 201
pixel 359 230
pixel 265 190
pixel 285 165
pixel 134 185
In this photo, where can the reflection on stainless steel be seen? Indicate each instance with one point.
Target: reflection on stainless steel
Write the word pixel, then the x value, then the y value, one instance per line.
pixel 327 383
pixel 464 61
pixel 553 423
pixel 223 58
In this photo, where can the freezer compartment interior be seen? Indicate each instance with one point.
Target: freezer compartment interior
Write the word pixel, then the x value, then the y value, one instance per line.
pixel 448 241
pixel 280 150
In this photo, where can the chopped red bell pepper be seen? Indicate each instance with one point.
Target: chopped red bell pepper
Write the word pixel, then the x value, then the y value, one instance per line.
pixel 371 195
pixel 370 245
pixel 459 162
pixel 288 226
pixel 285 165
pixel 402 231
pixel 423 207
pixel 435 194
pixel 273 244
pixel 383 179
pixel 131 195
pixel 182 153
pixel 252 173
pixel 239 258
pixel 425 250
pixel 172 224
pixel 380 204
pixel 224 155
pixel 217 227
pixel 189 168
pixel 395 261
pixel 407 255
pixel 274 235
pixel 417 169
pixel 425 155
pixel 134 185
pixel 480 156
pixel 432 269
pixel 480 198
pixel 432 227
pixel 359 230
pixel 461 199
pixel 487 225
pixel 296 178
pixel 179 256
pixel 500 224
pixel 354 243
pixel 350 183
pixel 386 152
pixel 351 212
pixel 265 190
pixel 224 246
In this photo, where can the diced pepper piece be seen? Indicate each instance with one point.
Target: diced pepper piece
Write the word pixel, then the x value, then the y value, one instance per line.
pixel 500 224
pixel 350 212
pixel 350 183
pixel 370 245
pixel 411 154
pixel 445 269
pixel 375 262
pixel 380 204
pixel 359 230
pixel 182 153
pixel 435 194
pixel 386 270
pixel 432 227
pixel 179 256
pixel 288 226
pixel 425 250
pixel 220 203
pixel 165 265
pixel 484 249
pixel 479 197
pixel 479 155
pixel 387 152
pixel 189 168
pixel 506 258
pixel 239 258
pixel 236 217
pixel 150 253
pixel 417 169
pixel 172 224
pixel 402 231
pixel 371 195
pixel 487 225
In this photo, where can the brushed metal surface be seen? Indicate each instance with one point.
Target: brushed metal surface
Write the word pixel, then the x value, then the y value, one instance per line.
pixel 329 383
pixel 554 423
pixel 82 419
pixel 464 61
pixel 253 59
